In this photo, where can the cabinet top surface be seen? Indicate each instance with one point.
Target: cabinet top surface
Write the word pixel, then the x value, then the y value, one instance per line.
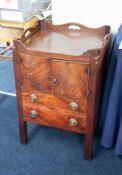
pixel 70 41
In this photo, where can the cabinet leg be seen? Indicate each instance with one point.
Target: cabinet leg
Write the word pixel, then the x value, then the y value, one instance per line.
pixel 23 132
pixel 88 146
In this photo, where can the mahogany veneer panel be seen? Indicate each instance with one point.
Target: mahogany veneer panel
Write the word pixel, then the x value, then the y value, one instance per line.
pixel 55 118
pixel 54 102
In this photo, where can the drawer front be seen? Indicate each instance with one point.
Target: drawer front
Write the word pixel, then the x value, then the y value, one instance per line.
pixel 53 118
pixel 68 105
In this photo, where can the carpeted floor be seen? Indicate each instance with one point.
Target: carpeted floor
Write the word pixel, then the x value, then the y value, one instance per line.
pixel 49 151
pixel 7 83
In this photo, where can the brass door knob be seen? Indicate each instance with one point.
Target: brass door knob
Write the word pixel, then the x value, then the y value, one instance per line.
pixel 33 113
pixel 73 105
pixel 73 122
pixel 33 98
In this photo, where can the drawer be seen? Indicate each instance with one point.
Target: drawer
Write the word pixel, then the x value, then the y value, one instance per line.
pixel 68 105
pixel 57 119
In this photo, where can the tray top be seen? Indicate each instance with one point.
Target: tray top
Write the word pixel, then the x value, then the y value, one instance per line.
pixel 70 42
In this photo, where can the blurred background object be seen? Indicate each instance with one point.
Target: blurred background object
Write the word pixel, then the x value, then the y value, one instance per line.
pixel 18 15
pixel 24 10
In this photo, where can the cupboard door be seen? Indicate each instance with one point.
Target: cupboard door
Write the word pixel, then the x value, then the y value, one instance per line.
pixel 70 79
pixel 36 73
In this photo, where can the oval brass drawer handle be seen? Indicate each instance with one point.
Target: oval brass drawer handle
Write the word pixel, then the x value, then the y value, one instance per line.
pixel 33 98
pixel 33 113
pixel 73 105
pixel 73 122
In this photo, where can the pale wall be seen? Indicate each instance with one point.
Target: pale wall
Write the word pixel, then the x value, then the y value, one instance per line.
pixel 92 13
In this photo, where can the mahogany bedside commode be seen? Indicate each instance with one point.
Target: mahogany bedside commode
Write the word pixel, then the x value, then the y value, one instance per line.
pixel 58 72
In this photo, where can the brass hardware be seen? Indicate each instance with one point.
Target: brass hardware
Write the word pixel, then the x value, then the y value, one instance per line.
pixel 33 98
pixel 33 113
pixel 73 122
pixel 55 81
pixel 73 105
